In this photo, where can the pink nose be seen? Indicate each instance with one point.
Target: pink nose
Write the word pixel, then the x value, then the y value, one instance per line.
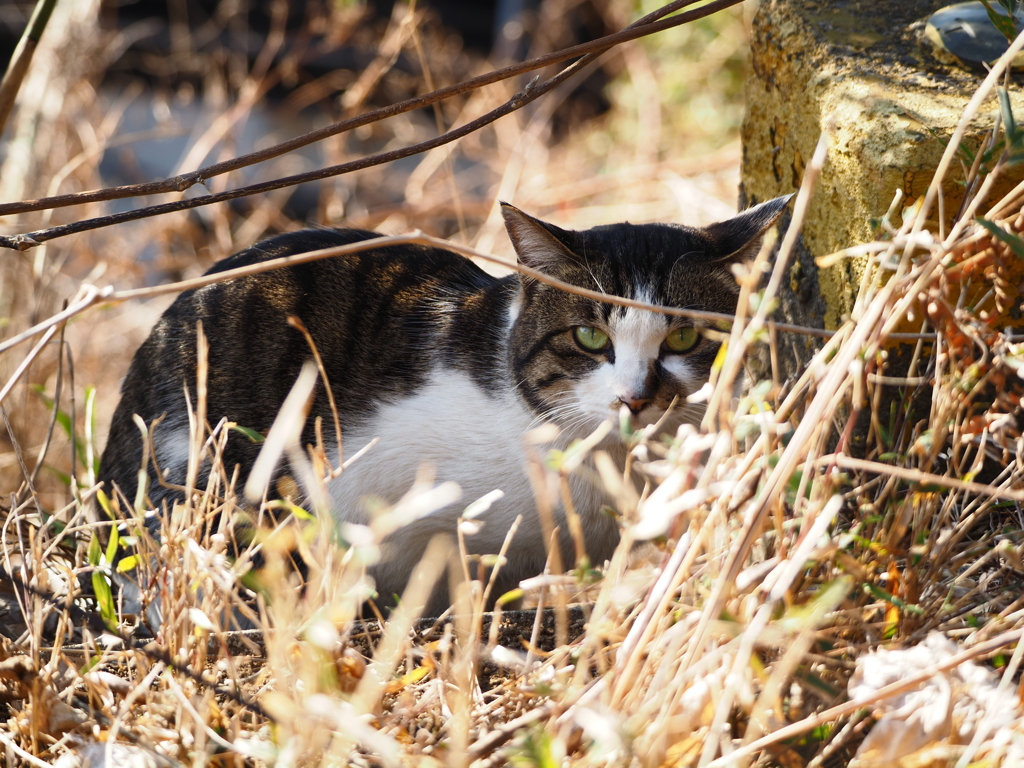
pixel 635 406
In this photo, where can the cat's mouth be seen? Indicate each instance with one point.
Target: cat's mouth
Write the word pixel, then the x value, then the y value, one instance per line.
pixel 641 419
pixel 582 419
pixel 669 416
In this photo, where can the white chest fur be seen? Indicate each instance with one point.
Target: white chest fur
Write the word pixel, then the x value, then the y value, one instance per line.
pixel 475 439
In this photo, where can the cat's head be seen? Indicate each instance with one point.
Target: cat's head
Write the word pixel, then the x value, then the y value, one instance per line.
pixel 577 361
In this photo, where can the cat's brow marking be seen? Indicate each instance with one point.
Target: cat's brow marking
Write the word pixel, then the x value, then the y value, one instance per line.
pixel 539 346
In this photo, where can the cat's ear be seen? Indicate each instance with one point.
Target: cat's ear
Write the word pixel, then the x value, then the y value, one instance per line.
pixel 539 245
pixel 740 237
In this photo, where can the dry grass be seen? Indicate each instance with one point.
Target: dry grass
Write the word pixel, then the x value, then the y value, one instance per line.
pixel 778 563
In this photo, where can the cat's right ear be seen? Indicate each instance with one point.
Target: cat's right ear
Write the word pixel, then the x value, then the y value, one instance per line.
pixel 740 237
pixel 539 245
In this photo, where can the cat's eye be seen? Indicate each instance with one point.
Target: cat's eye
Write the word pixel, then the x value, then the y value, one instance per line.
pixel 682 339
pixel 591 339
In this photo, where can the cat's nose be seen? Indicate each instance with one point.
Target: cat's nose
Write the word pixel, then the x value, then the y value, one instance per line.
pixel 635 406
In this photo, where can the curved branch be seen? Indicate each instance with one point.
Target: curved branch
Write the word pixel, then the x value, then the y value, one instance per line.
pixel 650 24
pixel 92 296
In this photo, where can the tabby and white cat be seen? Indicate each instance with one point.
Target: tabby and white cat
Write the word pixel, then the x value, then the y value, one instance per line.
pixel 446 364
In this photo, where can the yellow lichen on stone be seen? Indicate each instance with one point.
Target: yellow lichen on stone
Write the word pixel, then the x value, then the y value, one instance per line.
pixel 890 104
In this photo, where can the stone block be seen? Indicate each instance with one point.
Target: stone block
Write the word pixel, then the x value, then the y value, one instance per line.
pixel 867 66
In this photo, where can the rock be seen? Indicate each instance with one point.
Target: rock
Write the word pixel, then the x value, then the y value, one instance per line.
pixel 868 68
pixel 966 31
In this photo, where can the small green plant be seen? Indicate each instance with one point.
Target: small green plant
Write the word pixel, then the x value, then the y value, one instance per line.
pixel 100 561
pixel 1006 24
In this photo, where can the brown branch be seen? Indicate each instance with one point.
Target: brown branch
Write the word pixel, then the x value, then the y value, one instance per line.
pixel 23 242
pixel 183 181
pixel 180 183
pixel 917 476
pixel 91 295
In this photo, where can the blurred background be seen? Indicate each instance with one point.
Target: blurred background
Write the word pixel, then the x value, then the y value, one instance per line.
pixel 124 92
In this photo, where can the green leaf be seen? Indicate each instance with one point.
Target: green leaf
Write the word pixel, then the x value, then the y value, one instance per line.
pixel 1004 24
pixel 115 540
pixel 90 419
pixel 104 501
pixel 296 510
pixel 52 523
pixel 991 154
pixel 812 679
pixel 625 425
pixel 64 420
pixel 554 459
pixel 1011 6
pixel 811 614
pixel 64 477
pixel 510 596
pixel 300 513
pixel 1015 243
pixel 95 552
pixel 967 153
pixel 252 581
pixel 903 605
pixel 101 584
pixel 1007 111
pixel 537 749
pixel 252 434
pixel 105 598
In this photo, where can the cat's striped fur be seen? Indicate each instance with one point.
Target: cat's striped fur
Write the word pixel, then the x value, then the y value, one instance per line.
pixel 446 364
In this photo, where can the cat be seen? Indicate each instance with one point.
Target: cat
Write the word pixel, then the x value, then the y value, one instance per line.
pixel 446 364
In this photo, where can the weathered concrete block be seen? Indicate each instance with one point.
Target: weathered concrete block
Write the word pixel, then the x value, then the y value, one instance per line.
pixel 866 65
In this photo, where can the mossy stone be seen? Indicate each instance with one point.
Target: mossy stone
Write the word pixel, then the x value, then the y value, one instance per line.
pixel 866 68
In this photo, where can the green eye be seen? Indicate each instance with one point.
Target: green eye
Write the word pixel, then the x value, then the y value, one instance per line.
pixel 591 339
pixel 682 339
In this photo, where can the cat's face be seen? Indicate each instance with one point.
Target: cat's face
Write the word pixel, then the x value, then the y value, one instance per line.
pixel 577 361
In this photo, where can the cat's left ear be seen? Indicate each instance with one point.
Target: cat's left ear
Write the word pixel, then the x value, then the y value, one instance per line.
pixel 539 245
pixel 740 237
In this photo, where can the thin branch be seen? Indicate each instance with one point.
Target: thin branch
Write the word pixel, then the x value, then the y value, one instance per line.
pixel 89 297
pixel 6 390
pixel 57 391
pixel 24 242
pixel 917 476
pixel 183 182
pixel 93 295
